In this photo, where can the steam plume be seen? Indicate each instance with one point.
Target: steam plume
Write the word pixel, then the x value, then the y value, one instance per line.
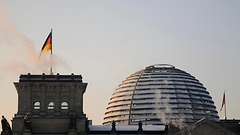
pixel 19 53
pixel 164 110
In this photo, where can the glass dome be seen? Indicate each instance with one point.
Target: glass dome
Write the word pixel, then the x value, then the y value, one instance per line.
pixel 160 94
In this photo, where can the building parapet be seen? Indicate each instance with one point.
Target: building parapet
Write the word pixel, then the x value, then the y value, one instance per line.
pixel 50 78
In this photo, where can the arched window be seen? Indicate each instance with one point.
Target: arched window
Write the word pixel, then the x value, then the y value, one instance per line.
pixel 36 105
pixel 64 106
pixel 50 105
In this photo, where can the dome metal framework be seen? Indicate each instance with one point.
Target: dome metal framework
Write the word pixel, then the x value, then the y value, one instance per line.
pixel 160 94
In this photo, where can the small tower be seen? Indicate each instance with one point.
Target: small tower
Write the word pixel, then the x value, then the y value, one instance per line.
pixel 52 103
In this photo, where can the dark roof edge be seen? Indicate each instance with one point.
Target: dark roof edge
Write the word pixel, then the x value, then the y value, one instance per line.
pixel 50 78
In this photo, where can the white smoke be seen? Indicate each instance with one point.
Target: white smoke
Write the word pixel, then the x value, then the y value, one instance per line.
pixel 180 122
pixel 162 103
pixel 165 115
pixel 19 54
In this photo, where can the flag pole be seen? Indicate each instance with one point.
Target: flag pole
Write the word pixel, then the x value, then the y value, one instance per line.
pixel 51 72
pixel 225 107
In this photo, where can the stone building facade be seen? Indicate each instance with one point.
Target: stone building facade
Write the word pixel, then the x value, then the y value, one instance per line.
pixel 49 100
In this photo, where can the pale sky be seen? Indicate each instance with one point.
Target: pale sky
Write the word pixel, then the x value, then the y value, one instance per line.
pixel 106 41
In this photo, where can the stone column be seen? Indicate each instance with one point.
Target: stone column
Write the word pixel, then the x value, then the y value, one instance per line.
pixel 78 101
pixel 28 99
pixel 43 102
pixel 57 104
pixel 21 101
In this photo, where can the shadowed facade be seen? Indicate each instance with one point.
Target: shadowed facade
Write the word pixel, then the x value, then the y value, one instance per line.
pixel 50 101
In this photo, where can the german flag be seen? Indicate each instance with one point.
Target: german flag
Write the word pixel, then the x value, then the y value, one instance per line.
pixel 223 101
pixel 47 46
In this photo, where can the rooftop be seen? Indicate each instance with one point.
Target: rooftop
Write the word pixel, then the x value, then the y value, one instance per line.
pixel 50 78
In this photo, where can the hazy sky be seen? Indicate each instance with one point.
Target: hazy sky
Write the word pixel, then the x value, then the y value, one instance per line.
pixel 106 41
